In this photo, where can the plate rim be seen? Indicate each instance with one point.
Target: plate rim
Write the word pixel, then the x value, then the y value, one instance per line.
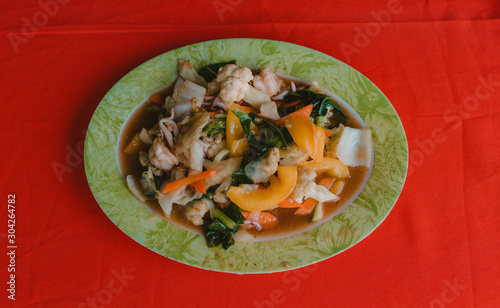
pixel 229 40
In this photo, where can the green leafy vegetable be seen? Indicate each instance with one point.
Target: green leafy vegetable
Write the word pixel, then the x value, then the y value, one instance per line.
pixel 239 177
pixel 322 103
pixel 220 230
pixel 209 195
pixel 228 222
pixel 215 126
pixel 337 116
pixel 256 149
pixel 209 72
pixel 272 135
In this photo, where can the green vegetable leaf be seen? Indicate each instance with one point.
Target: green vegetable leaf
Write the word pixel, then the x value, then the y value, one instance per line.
pixel 239 177
pixel 220 230
pixel 209 195
pixel 209 72
pixel 272 135
pixel 256 149
pixel 215 126
pixel 322 103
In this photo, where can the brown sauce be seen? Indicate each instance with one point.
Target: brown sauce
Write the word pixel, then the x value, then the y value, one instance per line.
pixel 289 223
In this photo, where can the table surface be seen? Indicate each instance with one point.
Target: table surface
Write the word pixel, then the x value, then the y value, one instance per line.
pixel 437 62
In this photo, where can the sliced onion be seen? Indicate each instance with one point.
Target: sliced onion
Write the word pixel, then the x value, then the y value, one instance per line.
pixel 280 96
pixel 135 188
pixel 221 155
pixel 243 236
pixel 166 202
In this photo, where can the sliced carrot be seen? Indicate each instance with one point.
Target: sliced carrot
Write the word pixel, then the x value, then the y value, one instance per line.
pixel 212 114
pixel 189 180
pixel 327 182
pixel 156 98
pixel 287 105
pixel 303 112
pixel 266 220
pixel 306 207
pixel 310 203
pixel 289 203
pixel 200 186
pixel 327 132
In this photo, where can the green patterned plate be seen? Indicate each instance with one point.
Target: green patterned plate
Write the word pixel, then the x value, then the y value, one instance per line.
pixel 345 230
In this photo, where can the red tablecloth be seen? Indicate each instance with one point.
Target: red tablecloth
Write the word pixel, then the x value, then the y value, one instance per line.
pixel 438 62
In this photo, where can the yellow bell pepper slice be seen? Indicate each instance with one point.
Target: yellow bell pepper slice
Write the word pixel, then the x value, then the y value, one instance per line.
pixel 330 165
pixel 309 137
pixel 264 199
pixel 234 131
pixel 238 147
pixel 302 134
pixel 319 141
pixel 337 187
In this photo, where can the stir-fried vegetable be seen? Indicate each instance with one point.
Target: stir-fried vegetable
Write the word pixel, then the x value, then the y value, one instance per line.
pixel 309 203
pixel 215 126
pixel 209 72
pixel 260 200
pixel 304 112
pixel 220 230
pixel 189 180
pixel 260 141
pixel 321 103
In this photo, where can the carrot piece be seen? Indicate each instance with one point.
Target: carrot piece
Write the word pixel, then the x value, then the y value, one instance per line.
pixel 287 105
pixel 301 113
pixel 156 98
pixel 189 180
pixel 200 186
pixel 327 182
pixel 212 114
pixel 306 207
pixel 289 203
pixel 266 220
pixel 327 132
pixel 310 203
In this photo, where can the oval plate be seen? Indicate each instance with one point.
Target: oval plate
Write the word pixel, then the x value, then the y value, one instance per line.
pixel 345 230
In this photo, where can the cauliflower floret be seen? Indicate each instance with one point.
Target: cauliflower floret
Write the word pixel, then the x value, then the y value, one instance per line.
pixel 307 188
pixel 215 144
pixel 261 170
pixel 232 82
pixel 195 211
pixel 233 90
pixel 268 82
pixel 161 157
